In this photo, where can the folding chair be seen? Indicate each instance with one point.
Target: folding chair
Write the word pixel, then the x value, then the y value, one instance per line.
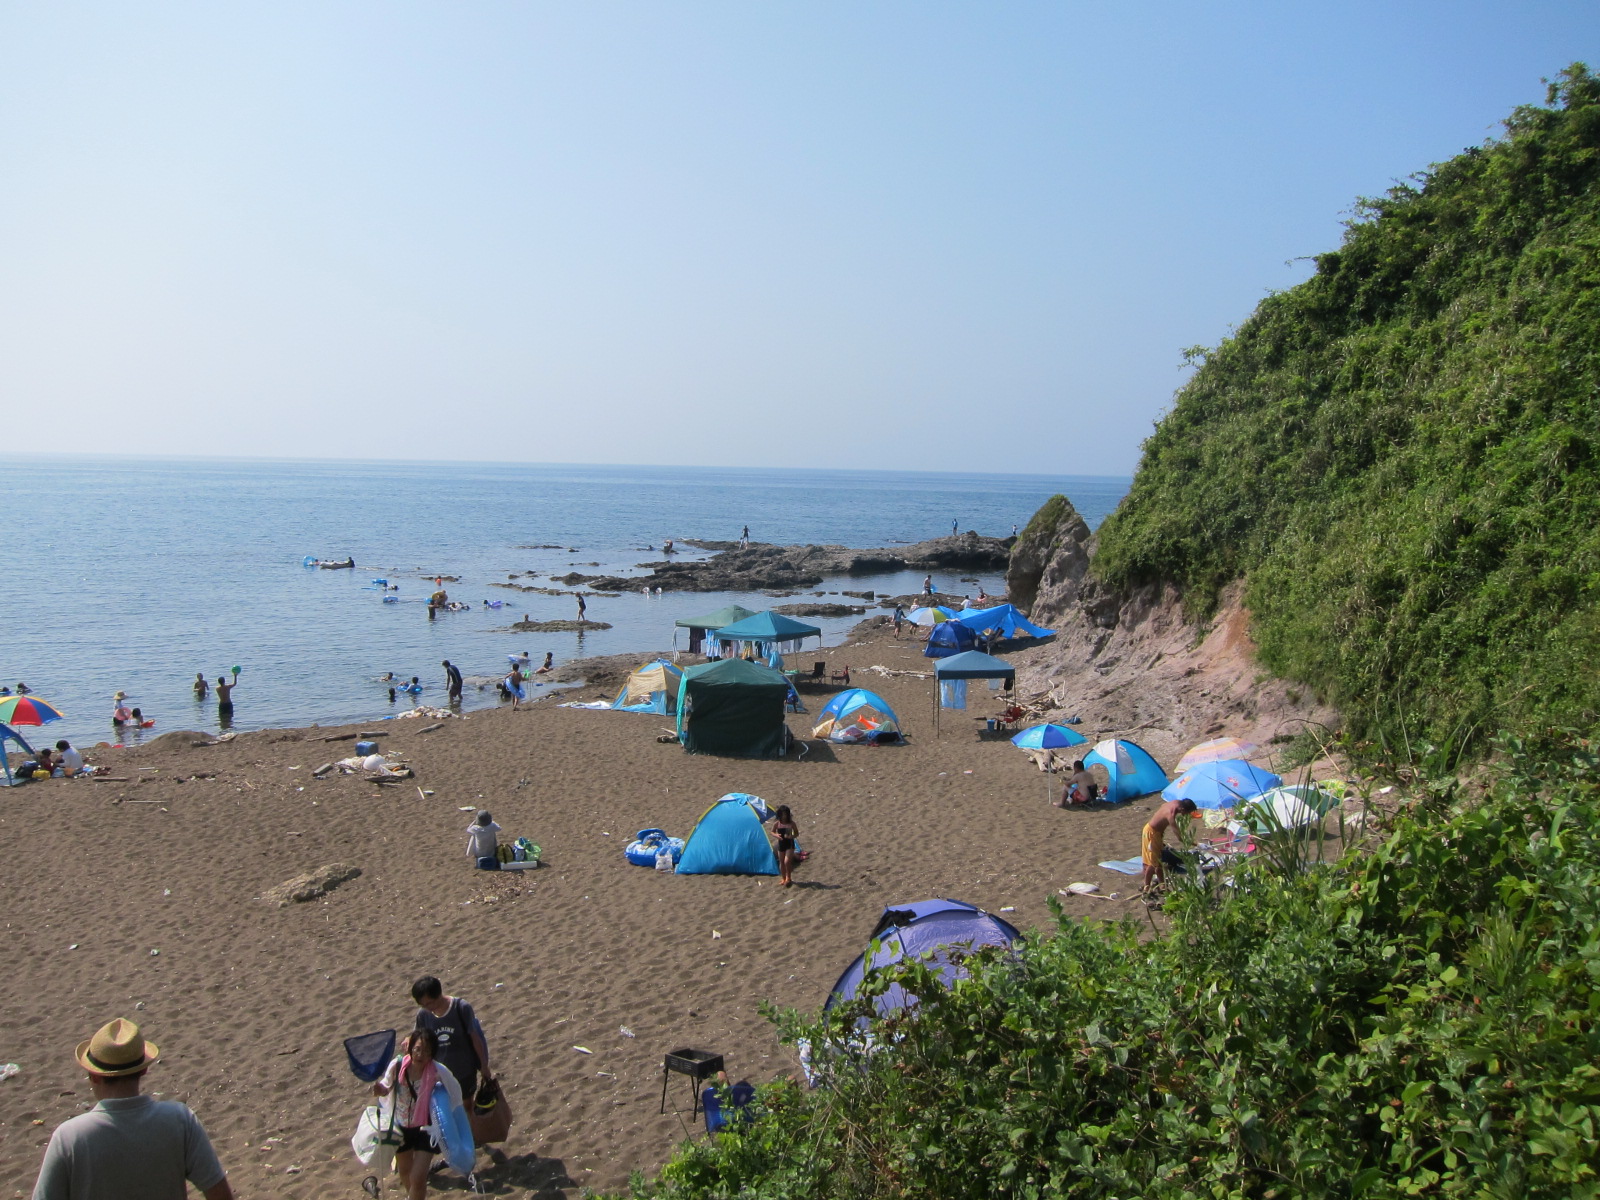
pixel 841 676
pixel 819 672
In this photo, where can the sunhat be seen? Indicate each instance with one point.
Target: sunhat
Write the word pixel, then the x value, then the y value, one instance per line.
pixel 117 1048
pixel 120 696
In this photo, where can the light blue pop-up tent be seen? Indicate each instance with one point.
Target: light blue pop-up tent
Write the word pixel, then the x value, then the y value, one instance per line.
pixel 1130 770
pixel 728 840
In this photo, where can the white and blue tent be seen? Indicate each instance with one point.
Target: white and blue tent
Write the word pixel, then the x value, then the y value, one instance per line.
pixel 1130 771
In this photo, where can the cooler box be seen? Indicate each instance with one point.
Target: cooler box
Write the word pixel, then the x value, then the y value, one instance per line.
pixel 365 748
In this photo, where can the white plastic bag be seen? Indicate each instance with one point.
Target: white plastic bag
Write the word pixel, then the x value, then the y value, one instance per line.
pixel 376 1138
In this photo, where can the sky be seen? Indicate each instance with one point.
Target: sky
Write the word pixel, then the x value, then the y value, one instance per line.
pixel 841 233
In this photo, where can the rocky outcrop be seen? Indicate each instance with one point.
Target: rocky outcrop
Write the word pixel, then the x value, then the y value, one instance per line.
pixel 765 568
pixel 1137 665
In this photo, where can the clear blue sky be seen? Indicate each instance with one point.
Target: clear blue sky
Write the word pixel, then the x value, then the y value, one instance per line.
pixel 912 235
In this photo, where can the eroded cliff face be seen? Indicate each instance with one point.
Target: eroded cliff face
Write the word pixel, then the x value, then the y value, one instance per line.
pixel 1133 664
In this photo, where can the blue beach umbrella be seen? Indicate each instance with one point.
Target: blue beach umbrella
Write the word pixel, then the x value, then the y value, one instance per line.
pixel 1221 784
pixel 1048 737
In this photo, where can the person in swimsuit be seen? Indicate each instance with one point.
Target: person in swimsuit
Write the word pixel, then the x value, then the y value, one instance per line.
pixel 201 687
pixel 786 830
pixel 225 700
pixel 1155 839
pixel 412 1078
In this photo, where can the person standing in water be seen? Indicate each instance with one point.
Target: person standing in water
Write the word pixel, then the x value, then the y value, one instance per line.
pixel 452 679
pixel 225 700
pixel 201 687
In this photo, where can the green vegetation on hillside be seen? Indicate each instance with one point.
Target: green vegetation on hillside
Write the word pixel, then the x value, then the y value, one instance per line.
pixel 1416 1020
pixel 1399 455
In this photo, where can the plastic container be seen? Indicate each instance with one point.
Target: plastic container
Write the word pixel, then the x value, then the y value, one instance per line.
pixel 365 748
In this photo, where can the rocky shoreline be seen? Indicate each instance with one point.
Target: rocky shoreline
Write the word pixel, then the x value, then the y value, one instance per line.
pixel 761 568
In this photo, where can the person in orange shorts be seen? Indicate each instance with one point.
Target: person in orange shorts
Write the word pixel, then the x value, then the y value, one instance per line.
pixel 1155 838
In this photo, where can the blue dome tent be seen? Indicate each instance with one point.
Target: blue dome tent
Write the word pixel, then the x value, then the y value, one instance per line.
pixel 948 638
pixel 728 840
pixel 1130 771
pixel 857 715
pixel 939 931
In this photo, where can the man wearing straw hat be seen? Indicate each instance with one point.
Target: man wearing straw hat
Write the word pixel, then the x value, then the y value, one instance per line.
pixel 128 1146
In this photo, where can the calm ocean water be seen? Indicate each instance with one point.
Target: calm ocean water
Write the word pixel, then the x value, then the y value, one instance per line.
pixel 133 574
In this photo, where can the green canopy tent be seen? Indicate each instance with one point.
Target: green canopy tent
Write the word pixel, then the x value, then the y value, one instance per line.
pixel 971 664
pixel 698 627
pixel 733 707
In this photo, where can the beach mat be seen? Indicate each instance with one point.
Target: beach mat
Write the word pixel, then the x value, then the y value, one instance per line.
pixel 1125 866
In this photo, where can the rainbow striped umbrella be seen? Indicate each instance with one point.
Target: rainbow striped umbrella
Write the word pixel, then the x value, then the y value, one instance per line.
pixel 27 710
pixel 1216 750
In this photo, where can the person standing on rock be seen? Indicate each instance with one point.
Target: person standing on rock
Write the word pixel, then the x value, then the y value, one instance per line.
pixel 955 528
pixel 927 585
pixel 582 608
pixel 899 619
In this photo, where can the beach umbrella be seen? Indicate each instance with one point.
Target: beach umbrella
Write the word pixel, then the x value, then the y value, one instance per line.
pixel 27 710
pixel 929 616
pixel 1048 736
pixel 1220 784
pixel 1216 750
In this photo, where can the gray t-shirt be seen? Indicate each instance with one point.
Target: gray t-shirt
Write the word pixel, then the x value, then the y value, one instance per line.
pixel 132 1148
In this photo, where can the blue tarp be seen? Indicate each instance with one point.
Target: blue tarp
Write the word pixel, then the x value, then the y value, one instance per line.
pixel 949 638
pixel 9 734
pixel 1006 620
pixel 728 840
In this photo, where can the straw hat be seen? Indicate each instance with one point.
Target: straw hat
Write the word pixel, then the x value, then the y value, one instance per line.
pixel 117 1048
pixel 119 696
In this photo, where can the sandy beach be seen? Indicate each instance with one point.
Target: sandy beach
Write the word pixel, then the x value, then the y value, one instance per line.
pixel 139 897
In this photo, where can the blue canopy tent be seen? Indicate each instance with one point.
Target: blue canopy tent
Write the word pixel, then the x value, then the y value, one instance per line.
pixel 8 734
pixel 766 630
pixel 1130 771
pixel 728 840
pixel 949 637
pixel 941 931
pixel 1003 620
pixel 953 673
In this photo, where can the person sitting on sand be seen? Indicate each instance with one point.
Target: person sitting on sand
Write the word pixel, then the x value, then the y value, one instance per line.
pixel 481 842
pixel 549 663
pixel 1081 787
pixel 42 765
pixel 1155 840
pixel 411 1078
pixel 786 830
pixel 71 760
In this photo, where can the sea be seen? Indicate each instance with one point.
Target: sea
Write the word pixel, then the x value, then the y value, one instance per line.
pixel 134 574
